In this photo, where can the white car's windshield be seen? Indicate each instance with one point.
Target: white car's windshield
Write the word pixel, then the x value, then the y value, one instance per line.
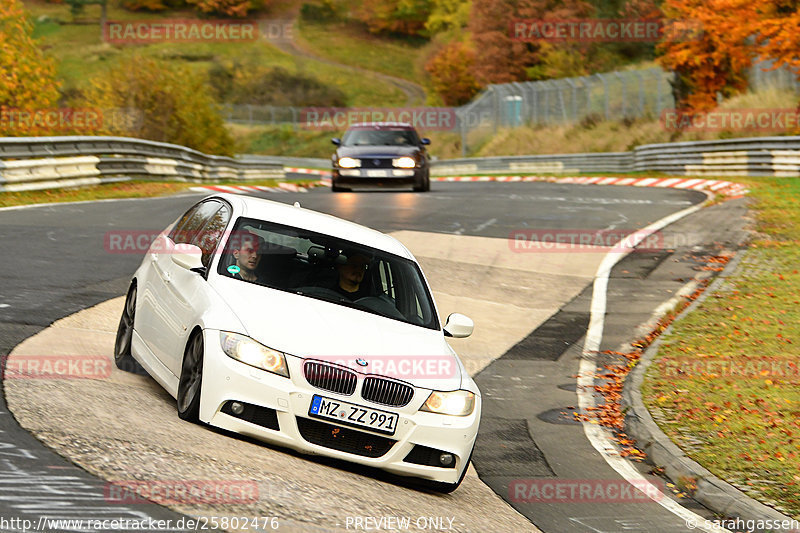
pixel 328 268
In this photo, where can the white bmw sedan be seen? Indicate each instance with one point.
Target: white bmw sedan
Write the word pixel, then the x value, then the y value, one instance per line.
pixel 304 330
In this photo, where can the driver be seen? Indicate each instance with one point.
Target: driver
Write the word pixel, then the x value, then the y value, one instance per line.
pixel 351 275
pixel 245 251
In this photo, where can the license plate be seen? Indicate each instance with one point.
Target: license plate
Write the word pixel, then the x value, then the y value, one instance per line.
pixel 349 414
pixel 377 173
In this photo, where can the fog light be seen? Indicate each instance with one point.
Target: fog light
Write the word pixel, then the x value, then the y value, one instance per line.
pixel 237 408
pixel 446 459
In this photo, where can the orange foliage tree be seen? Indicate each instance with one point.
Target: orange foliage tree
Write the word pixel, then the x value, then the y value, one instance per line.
pixel 778 32
pixel 27 77
pixel 499 57
pixel 452 76
pixel 732 34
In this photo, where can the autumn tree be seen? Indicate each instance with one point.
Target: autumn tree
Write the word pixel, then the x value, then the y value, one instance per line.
pixel 174 103
pixel 143 5
pixel 227 8
pixel 711 52
pixel 451 71
pixel 448 16
pixel 394 16
pixel 27 77
pixel 499 57
pixel 778 32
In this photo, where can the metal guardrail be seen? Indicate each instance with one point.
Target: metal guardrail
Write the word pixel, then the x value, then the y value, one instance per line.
pixel 34 163
pixel 612 162
pixel 295 162
pixel 58 162
pixel 754 156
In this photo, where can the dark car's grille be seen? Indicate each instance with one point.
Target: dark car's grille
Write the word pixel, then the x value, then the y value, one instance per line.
pixel 330 378
pixel 376 162
pixel 343 439
pixel 386 391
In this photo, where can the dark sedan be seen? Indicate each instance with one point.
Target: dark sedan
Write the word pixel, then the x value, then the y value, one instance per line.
pixel 381 154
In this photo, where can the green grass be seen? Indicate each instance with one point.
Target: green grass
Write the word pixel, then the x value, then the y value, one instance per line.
pixel 80 53
pixel 283 140
pixel 725 384
pixel 352 44
pixel 128 189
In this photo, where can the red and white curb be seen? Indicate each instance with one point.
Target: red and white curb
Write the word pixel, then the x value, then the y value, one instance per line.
pixel 312 171
pixel 727 188
pixel 244 189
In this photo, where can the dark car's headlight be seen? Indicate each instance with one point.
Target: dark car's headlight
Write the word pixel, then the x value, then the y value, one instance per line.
pixel 349 162
pixel 455 403
pixel 250 352
pixel 404 162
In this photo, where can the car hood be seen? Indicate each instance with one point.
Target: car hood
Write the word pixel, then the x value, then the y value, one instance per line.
pixel 311 328
pixel 376 151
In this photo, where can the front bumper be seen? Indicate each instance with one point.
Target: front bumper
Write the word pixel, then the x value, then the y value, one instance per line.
pixel 392 177
pixel 290 399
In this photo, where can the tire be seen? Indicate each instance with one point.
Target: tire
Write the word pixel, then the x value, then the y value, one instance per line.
pixel 425 186
pixel 191 380
pixel 122 345
pixel 336 188
pixel 446 488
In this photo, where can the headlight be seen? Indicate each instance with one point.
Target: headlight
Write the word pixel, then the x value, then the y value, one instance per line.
pixel 404 162
pixel 249 352
pixel 349 162
pixel 456 403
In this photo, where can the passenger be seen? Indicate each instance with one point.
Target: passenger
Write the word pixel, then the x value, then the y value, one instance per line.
pixel 245 249
pixel 351 276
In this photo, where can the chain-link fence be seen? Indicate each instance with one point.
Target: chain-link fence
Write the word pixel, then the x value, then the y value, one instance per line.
pixel 621 95
pixel 762 76
pixel 609 96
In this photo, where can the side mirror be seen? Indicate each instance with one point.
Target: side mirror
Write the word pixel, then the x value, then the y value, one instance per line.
pixel 188 256
pixel 337 141
pixel 425 141
pixel 458 326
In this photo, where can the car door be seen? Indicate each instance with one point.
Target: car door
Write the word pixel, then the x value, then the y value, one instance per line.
pixel 161 329
pixel 150 317
pixel 188 291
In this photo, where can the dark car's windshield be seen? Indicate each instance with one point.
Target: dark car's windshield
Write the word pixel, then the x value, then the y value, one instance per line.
pixel 328 268
pixel 384 137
